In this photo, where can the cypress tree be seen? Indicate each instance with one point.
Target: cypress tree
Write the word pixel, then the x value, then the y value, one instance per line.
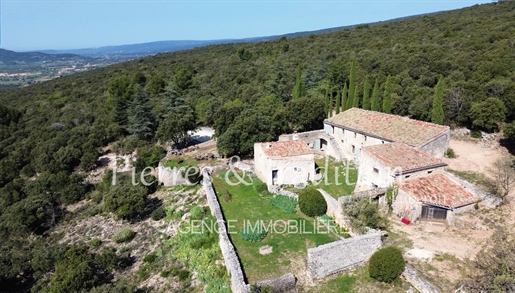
pixel 352 84
pixel 387 98
pixel 437 115
pixel 338 101
pixel 344 97
pixel 355 102
pixel 328 103
pixel 366 95
pixel 298 89
pixel 376 102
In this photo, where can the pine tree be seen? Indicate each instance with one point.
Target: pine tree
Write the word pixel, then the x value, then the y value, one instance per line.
pixel 344 97
pixel 366 95
pixel 355 102
pixel 437 115
pixel 140 122
pixel 376 101
pixel 298 89
pixel 387 98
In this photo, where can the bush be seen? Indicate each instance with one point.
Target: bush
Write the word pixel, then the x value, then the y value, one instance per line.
pixel 253 235
pixel 124 235
pixel 158 214
pixel 193 175
pixel 197 213
pixel 260 187
pixel 95 242
pixel 386 264
pixel 449 153
pixel 150 258
pixel 312 203
pixel 288 205
pixel 476 134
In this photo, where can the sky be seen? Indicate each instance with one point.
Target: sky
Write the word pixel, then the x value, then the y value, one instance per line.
pixel 72 24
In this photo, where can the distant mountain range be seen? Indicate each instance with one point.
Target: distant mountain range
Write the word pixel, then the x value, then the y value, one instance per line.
pixel 8 57
pixel 146 49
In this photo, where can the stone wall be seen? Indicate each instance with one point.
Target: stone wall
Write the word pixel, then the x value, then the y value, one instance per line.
pixel 170 177
pixel 334 209
pixel 439 145
pixel 232 262
pixel 342 255
pixel 278 190
pixel 422 285
pixel 283 284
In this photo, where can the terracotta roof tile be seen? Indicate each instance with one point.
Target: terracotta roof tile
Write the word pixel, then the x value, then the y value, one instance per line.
pixel 438 189
pixel 286 148
pixel 388 127
pixel 400 155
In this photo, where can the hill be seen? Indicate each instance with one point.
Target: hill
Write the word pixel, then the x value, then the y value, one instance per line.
pixel 249 92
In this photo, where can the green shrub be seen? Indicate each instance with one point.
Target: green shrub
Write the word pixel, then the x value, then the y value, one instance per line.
pixel 253 235
pixel 476 134
pixel 158 213
pixel 124 235
pixel 197 213
pixel 204 242
pixel 150 258
pixel 312 203
pixel 193 175
pixel 288 205
pixel 260 187
pixel 386 264
pixel 95 242
pixel 449 153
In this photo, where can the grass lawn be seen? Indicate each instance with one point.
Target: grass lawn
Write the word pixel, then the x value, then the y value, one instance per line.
pixel 289 249
pixel 178 162
pixel 338 179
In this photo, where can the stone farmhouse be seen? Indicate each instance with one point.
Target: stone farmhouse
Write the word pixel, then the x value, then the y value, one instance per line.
pixel 390 151
pixel 284 162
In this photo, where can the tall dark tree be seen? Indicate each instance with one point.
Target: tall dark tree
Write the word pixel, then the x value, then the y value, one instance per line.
pixel 352 84
pixel 338 101
pixel 376 100
pixel 344 97
pixel 387 97
pixel 356 101
pixel 437 115
pixel 141 122
pixel 366 94
pixel 298 89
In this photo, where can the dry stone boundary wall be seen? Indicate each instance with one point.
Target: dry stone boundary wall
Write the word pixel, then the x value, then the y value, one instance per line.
pixel 232 262
pixel 342 255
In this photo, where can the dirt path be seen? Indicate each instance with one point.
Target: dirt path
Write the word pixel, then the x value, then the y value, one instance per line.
pixel 474 156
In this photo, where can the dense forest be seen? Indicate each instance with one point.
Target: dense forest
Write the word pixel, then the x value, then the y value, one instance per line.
pixel 51 133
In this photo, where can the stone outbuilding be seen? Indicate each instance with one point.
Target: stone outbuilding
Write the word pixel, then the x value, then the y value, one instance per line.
pixel 384 164
pixel 284 162
pixel 356 128
pixel 434 197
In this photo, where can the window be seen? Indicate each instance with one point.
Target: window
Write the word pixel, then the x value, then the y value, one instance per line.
pixel 382 141
pixel 430 171
pixel 376 170
pixel 355 135
pixel 353 149
pixel 374 185
pixel 407 176
pixel 365 137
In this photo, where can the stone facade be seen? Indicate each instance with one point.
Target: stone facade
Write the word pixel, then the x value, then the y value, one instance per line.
pixel 342 255
pixel 290 169
pixel 374 173
pixel 438 145
pixel 334 209
pixel 232 262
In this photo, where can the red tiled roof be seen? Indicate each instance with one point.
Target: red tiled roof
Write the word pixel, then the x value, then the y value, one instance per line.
pixel 438 189
pixel 387 126
pixel 286 148
pixel 400 155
